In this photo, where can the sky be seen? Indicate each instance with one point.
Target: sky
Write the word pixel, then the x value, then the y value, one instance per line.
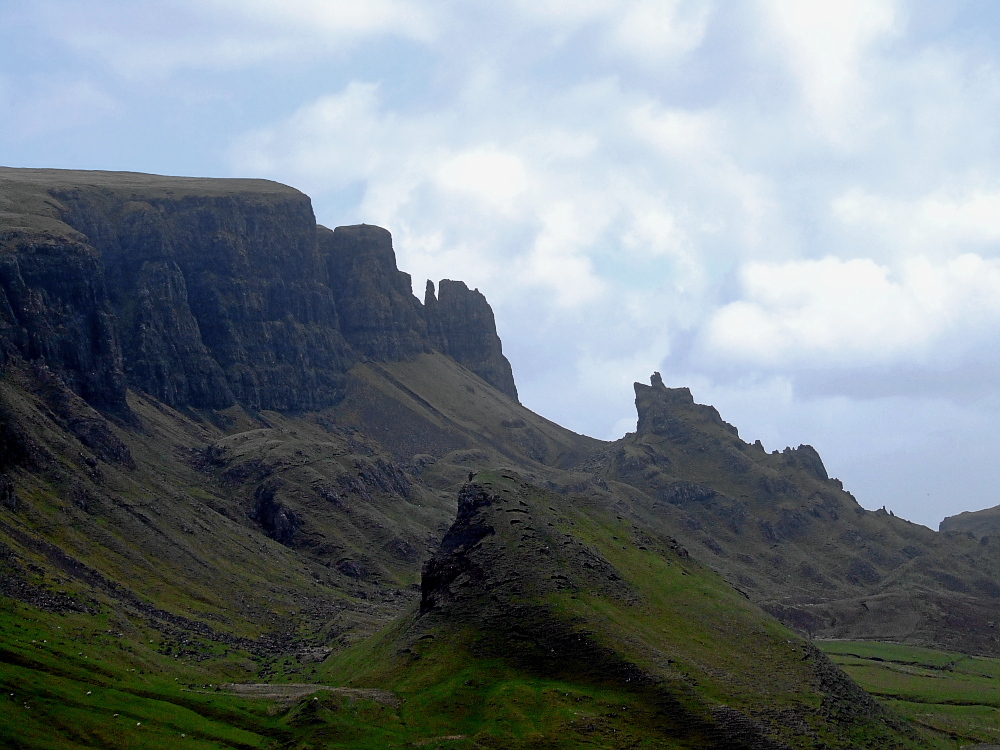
pixel 790 206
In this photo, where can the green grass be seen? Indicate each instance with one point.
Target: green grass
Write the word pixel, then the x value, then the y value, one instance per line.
pixel 111 680
pixel 955 695
pixel 681 622
pixel 71 681
pixel 451 698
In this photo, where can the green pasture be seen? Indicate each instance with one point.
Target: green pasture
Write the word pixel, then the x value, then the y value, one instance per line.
pixel 954 695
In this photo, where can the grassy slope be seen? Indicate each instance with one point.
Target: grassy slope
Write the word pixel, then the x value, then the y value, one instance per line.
pixel 702 642
pixel 797 543
pixel 65 683
pixel 26 203
pixel 955 695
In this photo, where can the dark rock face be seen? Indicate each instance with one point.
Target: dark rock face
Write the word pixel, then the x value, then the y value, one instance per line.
pixel 379 315
pixel 278 522
pixel 658 408
pixel 207 293
pixel 460 324
pixel 452 559
pixel 219 298
pixel 54 307
pixel 8 496
pixel 806 457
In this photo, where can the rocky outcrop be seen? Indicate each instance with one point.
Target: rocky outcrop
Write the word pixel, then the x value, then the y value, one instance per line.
pixel 219 298
pixel 668 412
pixel 207 293
pixel 979 523
pixel 379 315
pixel 460 324
pixel 54 308
pixel 452 560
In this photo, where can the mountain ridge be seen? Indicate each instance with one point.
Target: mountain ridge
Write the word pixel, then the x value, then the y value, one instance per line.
pixel 238 293
pixel 238 439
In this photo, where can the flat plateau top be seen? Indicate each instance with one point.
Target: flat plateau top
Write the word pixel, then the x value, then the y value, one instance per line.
pixel 29 202
pixel 148 184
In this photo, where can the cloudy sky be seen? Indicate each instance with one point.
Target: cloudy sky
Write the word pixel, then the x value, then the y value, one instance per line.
pixel 790 206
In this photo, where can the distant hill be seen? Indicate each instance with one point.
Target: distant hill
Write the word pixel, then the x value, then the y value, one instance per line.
pixel 235 447
pixel 979 523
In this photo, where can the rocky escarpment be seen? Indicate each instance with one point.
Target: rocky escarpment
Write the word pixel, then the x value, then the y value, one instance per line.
pixel 207 293
pixel 380 317
pixel 780 529
pixel 217 298
pixel 460 324
pixel 54 309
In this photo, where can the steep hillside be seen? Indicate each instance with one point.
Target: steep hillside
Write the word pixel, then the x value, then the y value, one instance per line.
pixel 790 537
pixel 548 620
pixel 205 425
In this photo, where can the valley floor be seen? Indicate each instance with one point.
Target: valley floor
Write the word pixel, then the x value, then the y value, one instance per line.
pixel 68 684
pixel 954 695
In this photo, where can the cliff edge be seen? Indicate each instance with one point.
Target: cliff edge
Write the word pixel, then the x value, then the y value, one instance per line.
pixel 207 293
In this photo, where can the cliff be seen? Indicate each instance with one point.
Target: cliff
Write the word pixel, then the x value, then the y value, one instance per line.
pixel 208 293
pixel 460 324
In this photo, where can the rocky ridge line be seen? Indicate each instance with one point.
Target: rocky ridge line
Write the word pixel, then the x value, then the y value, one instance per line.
pixel 208 293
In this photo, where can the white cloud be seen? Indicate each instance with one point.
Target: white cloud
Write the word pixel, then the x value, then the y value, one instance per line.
pixel 154 40
pixel 490 174
pixel 658 31
pixel 678 133
pixel 854 313
pixel 939 222
pixel 333 141
pixel 650 32
pixel 556 259
pixel 828 47
pixel 335 19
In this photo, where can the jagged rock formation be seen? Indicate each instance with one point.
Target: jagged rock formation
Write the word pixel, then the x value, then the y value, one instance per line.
pixel 207 293
pixel 379 315
pixel 460 324
pixel 781 530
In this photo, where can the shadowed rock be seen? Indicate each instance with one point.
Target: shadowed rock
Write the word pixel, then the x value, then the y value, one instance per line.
pixel 208 293
pixel 379 315
pixel 460 324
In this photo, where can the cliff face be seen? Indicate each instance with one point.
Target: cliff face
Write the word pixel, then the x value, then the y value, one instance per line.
pixel 218 298
pixel 207 293
pixel 54 310
pixel 379 315
pixel 460 324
